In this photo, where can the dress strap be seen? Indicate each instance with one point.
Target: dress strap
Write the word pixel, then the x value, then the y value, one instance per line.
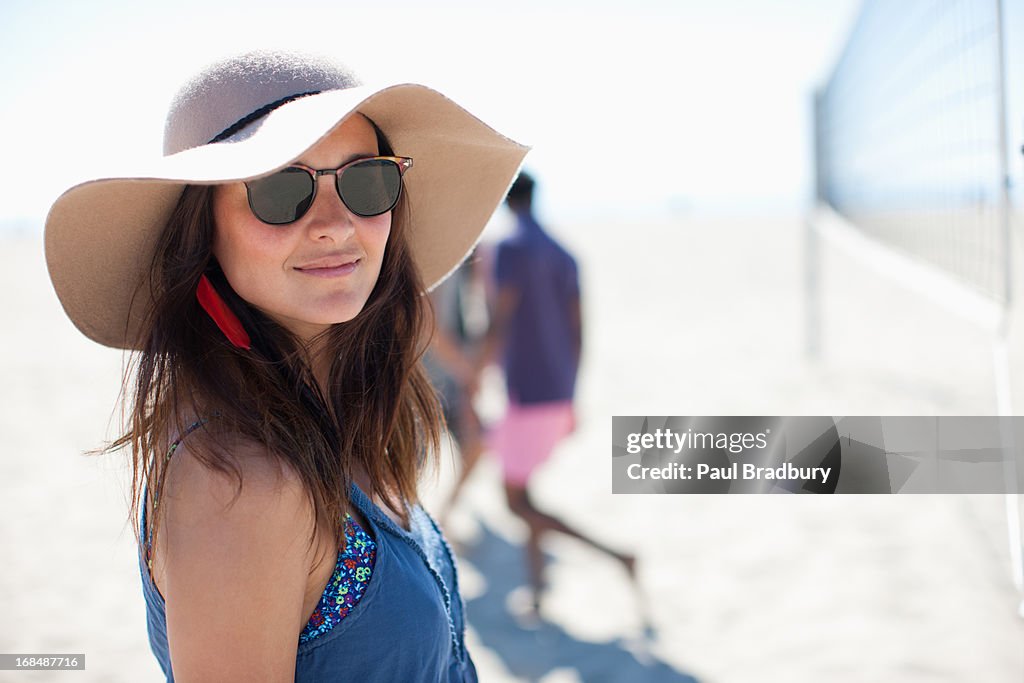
pixel 156 501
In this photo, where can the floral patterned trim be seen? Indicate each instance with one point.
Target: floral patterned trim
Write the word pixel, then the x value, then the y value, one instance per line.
pixel 346 585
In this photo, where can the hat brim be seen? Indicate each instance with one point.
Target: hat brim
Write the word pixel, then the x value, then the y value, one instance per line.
pixel 100 235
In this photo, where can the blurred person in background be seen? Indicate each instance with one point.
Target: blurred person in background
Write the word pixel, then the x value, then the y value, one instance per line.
pixel 536 330
pixel 450 365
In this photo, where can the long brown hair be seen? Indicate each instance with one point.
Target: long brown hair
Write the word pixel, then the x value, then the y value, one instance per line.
pixel 379 411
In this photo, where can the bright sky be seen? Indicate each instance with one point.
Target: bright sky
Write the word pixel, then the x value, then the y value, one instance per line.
pixel 659 105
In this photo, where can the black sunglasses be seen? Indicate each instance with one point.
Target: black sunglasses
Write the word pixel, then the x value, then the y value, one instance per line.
pixel 368 187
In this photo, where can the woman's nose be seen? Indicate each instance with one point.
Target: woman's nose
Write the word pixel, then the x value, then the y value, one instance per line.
pixel 328 216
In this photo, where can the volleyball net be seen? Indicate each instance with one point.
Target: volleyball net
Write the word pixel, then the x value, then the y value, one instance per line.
pixel 910 137
pixel 912 169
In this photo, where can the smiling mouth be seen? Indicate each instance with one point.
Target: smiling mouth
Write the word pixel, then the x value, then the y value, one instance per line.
pixel 330 270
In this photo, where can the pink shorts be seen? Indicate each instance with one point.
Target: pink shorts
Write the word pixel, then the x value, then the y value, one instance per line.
pixel 524 439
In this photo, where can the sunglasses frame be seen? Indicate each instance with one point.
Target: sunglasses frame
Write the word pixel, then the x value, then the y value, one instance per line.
pixel 403 164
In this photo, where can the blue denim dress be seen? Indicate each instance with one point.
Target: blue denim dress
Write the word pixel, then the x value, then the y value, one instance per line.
pixel 408 625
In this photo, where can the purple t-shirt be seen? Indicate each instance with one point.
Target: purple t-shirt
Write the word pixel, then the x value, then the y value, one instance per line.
pixel 540 341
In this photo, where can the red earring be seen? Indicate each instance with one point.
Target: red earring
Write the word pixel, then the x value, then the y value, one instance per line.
pixel 225 319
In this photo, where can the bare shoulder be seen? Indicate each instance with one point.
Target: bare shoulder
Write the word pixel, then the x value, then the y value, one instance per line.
pixel 234 565
pixel 263 476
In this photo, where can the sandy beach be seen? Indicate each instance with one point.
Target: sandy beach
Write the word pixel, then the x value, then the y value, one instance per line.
pixel 691 316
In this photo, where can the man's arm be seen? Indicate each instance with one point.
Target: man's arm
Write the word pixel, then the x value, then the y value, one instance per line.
pixel 576 327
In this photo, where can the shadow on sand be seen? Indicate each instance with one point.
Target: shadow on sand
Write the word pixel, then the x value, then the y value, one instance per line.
pixel 532 653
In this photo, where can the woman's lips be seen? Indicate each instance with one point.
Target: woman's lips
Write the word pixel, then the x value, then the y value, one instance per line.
pixel 329 271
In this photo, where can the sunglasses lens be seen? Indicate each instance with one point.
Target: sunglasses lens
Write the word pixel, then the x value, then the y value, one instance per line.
pixel 281 198
pixel 371 187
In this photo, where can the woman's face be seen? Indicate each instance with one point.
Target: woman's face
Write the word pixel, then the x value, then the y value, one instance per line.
pixel 317 271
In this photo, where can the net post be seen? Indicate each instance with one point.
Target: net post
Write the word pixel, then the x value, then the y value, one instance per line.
pixel 812 242
pixel 1013 502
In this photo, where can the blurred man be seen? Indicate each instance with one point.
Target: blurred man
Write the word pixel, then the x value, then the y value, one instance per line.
pixel 536 329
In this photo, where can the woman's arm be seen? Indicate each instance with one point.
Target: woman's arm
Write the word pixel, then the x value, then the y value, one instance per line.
pixel 235 573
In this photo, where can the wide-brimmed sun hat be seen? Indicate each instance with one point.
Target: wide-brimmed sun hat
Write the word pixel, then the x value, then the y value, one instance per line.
pixel 266 110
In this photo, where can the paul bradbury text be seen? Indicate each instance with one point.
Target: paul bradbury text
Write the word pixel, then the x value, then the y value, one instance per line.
pixel 735 471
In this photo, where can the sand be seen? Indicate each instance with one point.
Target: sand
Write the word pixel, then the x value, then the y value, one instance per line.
pixel 691 316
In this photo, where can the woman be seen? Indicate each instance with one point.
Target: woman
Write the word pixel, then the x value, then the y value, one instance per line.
pixel 269 272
